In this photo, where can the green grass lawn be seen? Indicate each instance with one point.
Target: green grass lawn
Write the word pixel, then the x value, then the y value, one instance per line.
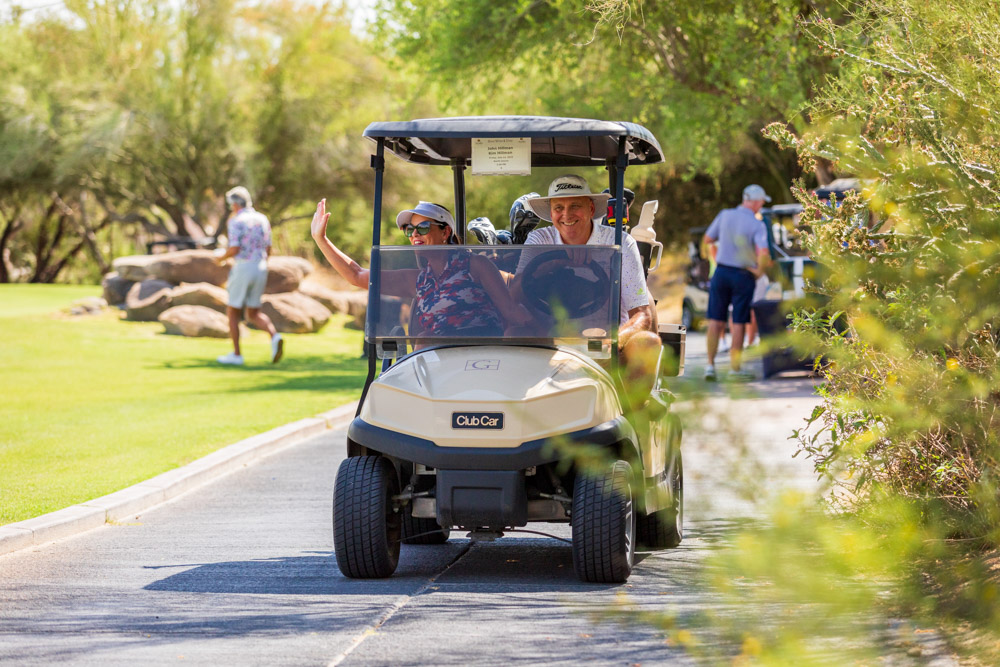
pixel 92 404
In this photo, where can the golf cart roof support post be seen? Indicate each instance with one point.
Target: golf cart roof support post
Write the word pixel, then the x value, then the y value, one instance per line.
pixel 458 168
pixel 618 190
pixel 372 315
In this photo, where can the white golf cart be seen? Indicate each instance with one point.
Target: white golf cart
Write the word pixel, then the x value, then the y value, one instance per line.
pixel 485 429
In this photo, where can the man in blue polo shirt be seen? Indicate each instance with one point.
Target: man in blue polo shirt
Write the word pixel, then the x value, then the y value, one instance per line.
pixel 741 257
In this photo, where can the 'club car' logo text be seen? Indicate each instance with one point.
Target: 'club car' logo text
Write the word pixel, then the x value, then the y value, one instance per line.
pixel 489 420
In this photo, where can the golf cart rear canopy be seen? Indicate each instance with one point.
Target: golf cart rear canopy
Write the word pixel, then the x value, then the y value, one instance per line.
pixel 555 142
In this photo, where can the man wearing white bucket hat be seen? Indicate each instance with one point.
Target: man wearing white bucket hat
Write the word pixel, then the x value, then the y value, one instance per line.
pixel 575 212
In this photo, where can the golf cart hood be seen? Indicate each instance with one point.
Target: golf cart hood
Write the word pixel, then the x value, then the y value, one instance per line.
pixel 540 392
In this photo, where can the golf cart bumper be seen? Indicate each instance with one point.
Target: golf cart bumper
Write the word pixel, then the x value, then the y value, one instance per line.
pixel 526 455
pixel 484 487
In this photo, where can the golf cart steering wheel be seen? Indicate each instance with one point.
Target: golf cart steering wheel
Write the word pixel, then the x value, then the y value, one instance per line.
pixel 552 281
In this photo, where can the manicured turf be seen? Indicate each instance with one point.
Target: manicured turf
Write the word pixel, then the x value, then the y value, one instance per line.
pixel 91 404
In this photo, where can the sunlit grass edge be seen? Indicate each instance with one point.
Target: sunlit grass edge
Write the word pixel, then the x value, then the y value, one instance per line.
pixel 91 404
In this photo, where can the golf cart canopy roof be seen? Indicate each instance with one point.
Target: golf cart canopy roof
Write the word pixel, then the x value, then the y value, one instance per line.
pixel 555 142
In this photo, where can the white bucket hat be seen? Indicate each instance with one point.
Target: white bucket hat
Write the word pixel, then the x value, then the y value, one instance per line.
pixel 570 185
pixel 432 211
pixel 238 194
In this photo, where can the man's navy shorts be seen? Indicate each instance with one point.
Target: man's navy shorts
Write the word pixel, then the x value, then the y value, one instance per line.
pixel 730 285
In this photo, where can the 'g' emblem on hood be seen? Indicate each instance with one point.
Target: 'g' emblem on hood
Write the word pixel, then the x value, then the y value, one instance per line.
pixel 482 365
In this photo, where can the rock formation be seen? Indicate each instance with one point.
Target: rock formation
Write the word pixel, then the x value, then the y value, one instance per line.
pixel 185 290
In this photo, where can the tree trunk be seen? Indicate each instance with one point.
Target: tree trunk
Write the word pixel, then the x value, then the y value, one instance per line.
pixel 9 229
pixel 87 232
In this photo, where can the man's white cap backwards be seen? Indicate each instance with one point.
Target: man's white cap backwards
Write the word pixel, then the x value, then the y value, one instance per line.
pixel 432 211
pixel 570 185
pixel 239 195
pixel 755 193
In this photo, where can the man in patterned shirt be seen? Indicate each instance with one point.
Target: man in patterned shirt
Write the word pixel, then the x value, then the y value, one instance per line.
pixel 250 243
pixel 572 210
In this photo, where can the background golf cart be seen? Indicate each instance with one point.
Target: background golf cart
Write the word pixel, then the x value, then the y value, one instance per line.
pixel 793 268
pixel 413 464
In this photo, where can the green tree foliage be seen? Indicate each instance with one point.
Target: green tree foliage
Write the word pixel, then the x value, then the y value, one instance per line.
pixel 125 121
pixel 705 77
pixel 911 394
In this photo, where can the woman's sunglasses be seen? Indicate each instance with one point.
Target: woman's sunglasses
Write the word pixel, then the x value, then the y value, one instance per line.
pixel 423 228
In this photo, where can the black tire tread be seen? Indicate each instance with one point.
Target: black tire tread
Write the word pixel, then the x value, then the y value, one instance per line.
pixel 599 525
pixel 659 530
pixel 363 539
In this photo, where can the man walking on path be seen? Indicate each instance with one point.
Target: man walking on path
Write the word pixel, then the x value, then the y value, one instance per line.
pixel 250 243
pixel 742 256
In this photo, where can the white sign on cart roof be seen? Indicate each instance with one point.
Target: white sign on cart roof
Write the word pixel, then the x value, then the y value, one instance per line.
pixel 501 155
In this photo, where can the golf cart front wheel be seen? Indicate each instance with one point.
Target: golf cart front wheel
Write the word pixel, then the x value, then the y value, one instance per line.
pixel 366 529
pixel 604 525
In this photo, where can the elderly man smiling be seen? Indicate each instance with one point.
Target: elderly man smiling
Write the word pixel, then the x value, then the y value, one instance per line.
pixel 572 208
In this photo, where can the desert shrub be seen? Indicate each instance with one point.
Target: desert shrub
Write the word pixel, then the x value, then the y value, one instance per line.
pixel 911 393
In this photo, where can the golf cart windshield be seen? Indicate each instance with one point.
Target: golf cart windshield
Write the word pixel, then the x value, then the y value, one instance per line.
pixel 535 294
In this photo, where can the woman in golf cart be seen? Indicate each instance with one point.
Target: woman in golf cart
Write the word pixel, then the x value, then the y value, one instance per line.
pixel 454 293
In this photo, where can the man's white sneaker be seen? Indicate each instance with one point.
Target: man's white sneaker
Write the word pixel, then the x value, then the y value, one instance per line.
pixel 710 374
pixel 277 348
pixel 231 359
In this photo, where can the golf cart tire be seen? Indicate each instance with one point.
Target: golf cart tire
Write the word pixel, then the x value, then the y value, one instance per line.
pixel 426 531
pixel 664 529
pixel 603 523
pixel 688 318
pixel 366 529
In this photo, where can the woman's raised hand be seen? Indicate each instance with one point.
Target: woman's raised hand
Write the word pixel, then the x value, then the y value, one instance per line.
pixel 320 217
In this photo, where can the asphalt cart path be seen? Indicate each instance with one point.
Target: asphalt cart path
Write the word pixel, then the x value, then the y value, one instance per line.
pixel 242 572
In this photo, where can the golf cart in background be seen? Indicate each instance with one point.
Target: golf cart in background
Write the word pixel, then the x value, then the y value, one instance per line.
pixel 793 269
pixel 485 430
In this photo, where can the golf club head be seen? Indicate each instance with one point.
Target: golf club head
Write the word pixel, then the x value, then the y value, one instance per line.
pixel 522 218
pixel 505 237
pixel 484 231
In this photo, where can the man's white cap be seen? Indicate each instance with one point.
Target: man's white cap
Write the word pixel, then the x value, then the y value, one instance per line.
pixel 570 185
pixel 239 193
pixel 755 193
pixel 432 211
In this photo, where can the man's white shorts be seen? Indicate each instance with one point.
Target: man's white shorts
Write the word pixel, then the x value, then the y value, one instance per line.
pixel 246 284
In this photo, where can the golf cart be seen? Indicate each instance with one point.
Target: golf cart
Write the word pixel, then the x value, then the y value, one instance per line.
pixel 484 429
pixel 795 267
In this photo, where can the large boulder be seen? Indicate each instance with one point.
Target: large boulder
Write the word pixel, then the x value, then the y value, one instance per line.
pixel 336 301
pixel 294 312
pixel 189 320
pixel 115 288
pixel 199 294
pixel 147 299
pixel 284 274
pixel 181 266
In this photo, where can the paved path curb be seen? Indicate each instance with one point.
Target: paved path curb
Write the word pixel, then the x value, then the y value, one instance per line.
pixel 127 503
